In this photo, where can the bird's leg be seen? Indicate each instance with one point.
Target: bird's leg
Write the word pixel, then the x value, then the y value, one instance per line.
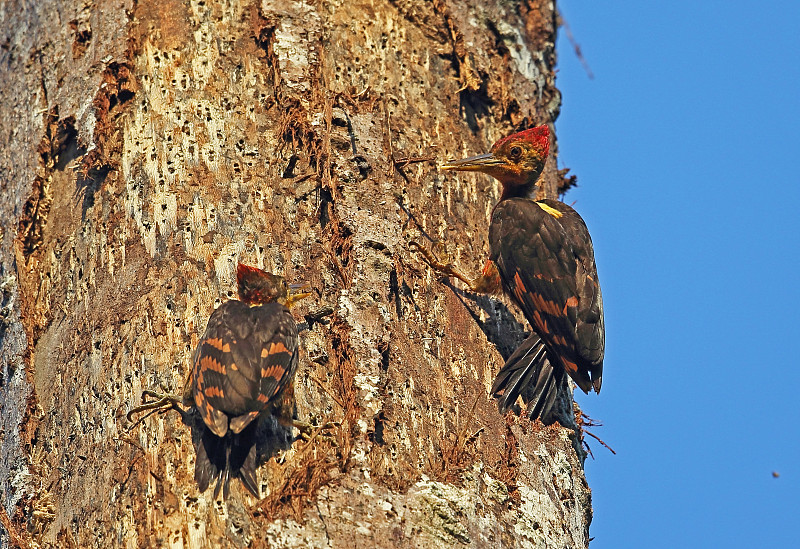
pixel 308 431
pixel 486 283
pixel 489 280
pixel 319 317
pixel 444 267
pixel 284 412
pixel 162 403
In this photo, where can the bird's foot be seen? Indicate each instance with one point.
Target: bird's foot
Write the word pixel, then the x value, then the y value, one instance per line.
pixel 442 266
pixel 319 316
pixel 162 403
pixel 487 282
pixel 309 432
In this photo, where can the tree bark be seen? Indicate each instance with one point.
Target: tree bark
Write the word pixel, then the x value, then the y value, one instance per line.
pixel 147 147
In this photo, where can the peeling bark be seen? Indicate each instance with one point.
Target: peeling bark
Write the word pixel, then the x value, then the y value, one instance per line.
pixel 149 146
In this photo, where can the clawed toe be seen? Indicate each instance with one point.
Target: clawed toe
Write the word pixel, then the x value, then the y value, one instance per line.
pixel 442 266
pixel 308 431
pixel 161 404
pixel 488 282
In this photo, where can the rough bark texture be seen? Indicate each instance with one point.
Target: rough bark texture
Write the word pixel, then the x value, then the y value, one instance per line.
pixel 146 147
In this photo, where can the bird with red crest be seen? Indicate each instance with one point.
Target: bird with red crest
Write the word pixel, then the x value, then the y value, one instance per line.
pixel 542 255
pixel 242 370
pixel 243 365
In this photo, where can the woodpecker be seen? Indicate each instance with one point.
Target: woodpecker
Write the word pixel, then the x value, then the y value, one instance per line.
pixel 542 253
pixel 243 368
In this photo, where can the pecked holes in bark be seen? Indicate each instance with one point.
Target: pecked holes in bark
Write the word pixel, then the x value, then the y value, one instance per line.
pixel 475 105
pixel 376 436
pixel 288 172
pixel 64 143
pixel 383 349
pixel 394 292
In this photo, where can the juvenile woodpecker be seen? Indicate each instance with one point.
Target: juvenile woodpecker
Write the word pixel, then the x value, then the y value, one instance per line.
pixel 243 367
pixel 543 254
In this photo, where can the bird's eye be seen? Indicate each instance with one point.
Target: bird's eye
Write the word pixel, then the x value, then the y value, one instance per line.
pixel 515 152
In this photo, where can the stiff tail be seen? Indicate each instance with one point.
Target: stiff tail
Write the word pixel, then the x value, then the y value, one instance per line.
pixel 528 373
pixel 221 459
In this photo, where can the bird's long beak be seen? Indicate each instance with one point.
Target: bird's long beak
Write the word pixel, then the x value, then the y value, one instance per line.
pixel 297 292
pixel 479 163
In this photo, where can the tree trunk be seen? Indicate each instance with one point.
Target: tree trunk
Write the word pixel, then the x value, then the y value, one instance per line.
pixel 147 147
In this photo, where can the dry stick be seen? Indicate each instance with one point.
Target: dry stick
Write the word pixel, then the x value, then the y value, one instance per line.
pixel 389 133
pixel 406 160
pixel 610 449
pixel 469 417
pixel 399 164
pixel 462 442
pixel 326 146
pixel 327 391
pixel 575 46
pixel 583 421
pixel 302 177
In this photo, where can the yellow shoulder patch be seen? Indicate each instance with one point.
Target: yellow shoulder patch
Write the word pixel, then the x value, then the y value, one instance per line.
pixel 551 210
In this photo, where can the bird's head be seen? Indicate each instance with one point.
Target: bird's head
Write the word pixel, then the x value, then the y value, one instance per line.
pixel 515 161
pixel 257 287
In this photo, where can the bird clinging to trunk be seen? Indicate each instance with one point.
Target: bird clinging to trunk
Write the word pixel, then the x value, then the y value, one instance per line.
pixel 243 367
pixel 542 253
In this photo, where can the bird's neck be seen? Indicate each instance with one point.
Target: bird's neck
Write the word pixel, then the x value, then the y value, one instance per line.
pixel 528 190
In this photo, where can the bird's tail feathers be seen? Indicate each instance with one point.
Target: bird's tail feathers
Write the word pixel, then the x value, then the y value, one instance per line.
pixel 208 463
pixel 243 459
pixel 528 373
pixel 221 459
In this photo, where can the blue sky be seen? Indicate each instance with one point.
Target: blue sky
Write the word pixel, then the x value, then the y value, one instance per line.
pixel 686 147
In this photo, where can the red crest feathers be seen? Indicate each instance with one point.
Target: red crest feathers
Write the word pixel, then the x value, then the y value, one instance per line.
pixel 539 136
pixel 245 271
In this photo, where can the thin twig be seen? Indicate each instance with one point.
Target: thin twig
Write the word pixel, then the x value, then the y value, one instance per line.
pixel 329 393
pixel 610 449
pixel 406 160
pixel 575 46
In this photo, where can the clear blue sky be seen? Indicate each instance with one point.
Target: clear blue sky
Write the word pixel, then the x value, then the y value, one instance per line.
pixel 687 148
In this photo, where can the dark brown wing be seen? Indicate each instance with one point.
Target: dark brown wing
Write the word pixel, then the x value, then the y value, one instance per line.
pixel 247 356
pixel 546 261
